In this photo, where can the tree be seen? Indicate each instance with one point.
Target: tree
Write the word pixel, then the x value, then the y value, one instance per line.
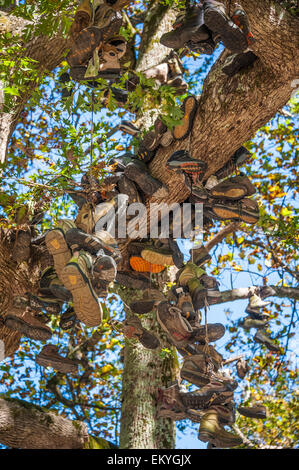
pixel 40 135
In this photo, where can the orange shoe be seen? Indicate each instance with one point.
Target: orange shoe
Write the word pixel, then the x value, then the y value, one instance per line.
pixel 141 265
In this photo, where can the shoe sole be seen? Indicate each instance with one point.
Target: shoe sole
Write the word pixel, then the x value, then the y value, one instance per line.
pixel 215 332
pixel 148 340
pixel 232 36
pixel 57 365
pixel 227 213
pixel 196 379
pixel 189 108
pixel 58 248
pixel 143 266
pixel 37 333
pixel 86 305
pixel 157 258
pixel 142 306
pixel 234 193
pixel 89 39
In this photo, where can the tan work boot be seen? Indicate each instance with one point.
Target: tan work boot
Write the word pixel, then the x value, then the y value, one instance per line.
pixel 211 431
pixel 57 245
pixel 76 278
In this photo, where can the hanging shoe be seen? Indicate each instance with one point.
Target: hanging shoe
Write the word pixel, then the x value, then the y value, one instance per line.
pixel 104 271
pixel 178 329
pixel 182 161
pixel 79 240
pixel 242 368
pixel 226 413
pixel 82 18
pixel 49 282
pixel 25 323
pixel 214 332
pixel 241 156
pixel 200 256
pixel 240 18
pixel 262 338
pixel 184 303
pixel 161 256
pixel 84 46
pixel 255 411
pixel 129 128
pixel 133 329
pixel 196 370
pixel 21 247
pixel 247 323
pixel 219 22
pixel 202 47
pixel 76 278
pixel 57 246
pixel 68 319
pixel 211 431
pixel 49 357
pixel 256 302
pixel 150 299
pixel 141 265
pixel 151 140
pixel 177 255
pixel 234 188
pixel 189 107
pixel 236 62
pixel 50 304
pixel 138 172
pixel 188 26
pixel 245 210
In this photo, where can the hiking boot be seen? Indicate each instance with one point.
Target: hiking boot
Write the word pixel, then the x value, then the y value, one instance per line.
pixel 240 18
pixel 49 283
pixel 215 331
pixel 177 255
pixel 211 431
pixel 88 217
pixel 83 46
pixel 68 319
pixel 50 304
pixel 245 210
pixel 152 139
pixel 160 256
pixel 201 295
pixel 256 314
pixel 25 323
pixel 76 278
pixel 270 344
pixel 178 329
pixel 202 47
pixel 242 368
pixel 200 256
pixel 133 280
pixel 247 323
pixel 234 188
pixel 236 62
pixel 213 355
pixel 187 26
pixel 188 272
pixel 141 265
pixel 49 357
pixel 241 156
pixel 144 154
pixel 255 412
pixel 21 247
pixel 226 413
pixel 129 128
pixel 219 22
pixel 184 303
pixel 82 18
pixel 138 172
pixel 150 298
pixel 133 329
pixel 189 107
pixel 196 370
pixel 79 240
pixel 57 246
pixel 182 161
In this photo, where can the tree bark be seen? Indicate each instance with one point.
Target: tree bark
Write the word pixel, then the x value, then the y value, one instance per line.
pixel 265 291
